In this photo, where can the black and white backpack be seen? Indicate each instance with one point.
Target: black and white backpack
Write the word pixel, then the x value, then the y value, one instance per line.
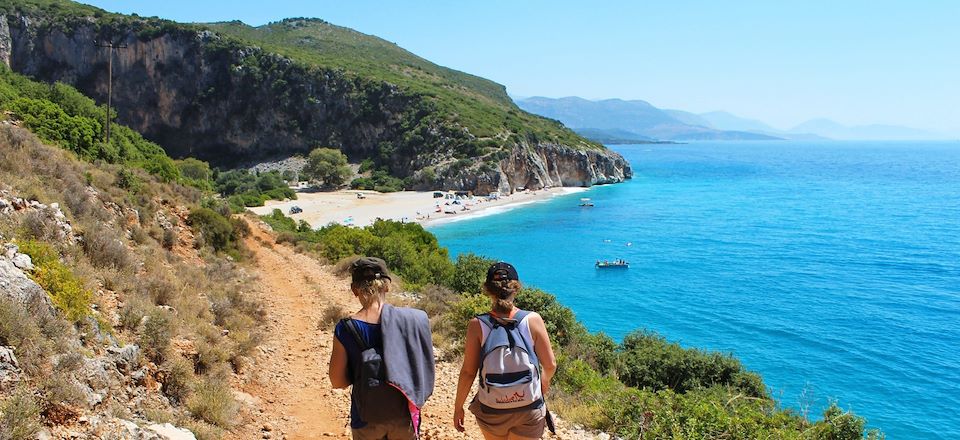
pixel 509 369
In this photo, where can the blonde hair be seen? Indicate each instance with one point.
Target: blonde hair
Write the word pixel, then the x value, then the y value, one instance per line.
pixel 370 291
pixel 502 292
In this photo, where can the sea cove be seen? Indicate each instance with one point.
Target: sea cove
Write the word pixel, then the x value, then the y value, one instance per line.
pixel 832 268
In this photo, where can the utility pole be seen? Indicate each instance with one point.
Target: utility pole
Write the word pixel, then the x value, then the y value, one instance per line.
pixel 110 45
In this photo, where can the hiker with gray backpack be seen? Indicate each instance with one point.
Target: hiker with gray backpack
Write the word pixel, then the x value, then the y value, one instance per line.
pixel 510 348
pixel 386 354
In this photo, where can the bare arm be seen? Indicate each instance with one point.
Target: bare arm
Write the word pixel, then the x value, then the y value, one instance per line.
pixel 468 372
pixel 541 345
pixel 338 366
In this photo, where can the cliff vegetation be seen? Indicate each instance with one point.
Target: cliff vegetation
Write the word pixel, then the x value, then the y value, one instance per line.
pixel 233 94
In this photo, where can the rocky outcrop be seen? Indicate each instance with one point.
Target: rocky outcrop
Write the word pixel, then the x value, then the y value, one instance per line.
pixel 197 93
pixel 15 285
pixel 545 166
pixel 5 43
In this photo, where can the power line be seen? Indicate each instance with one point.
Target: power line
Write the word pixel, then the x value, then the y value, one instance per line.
pixel 111 45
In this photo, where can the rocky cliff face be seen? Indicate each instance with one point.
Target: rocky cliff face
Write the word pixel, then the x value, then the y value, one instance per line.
pixel 199 94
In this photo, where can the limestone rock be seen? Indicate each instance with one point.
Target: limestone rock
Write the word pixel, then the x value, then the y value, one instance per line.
pixel 9 368
pixel 167 431
pixel 23 262
pixel 18 287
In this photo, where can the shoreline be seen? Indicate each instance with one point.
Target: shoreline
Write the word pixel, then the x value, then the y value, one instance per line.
pixel 345 207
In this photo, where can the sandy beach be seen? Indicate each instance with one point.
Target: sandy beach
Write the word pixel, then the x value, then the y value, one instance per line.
pixel 346 208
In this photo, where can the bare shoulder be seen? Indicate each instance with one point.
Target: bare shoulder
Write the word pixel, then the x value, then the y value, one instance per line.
pixel 535 318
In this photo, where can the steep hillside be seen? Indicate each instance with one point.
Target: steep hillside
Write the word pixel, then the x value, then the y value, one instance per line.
pixel 229 93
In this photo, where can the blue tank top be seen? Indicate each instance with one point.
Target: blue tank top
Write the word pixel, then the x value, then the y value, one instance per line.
pixel 374 338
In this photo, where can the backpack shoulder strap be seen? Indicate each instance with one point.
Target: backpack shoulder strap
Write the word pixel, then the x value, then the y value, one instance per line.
pixel 487 320
pixel 351 327
pixel 519 317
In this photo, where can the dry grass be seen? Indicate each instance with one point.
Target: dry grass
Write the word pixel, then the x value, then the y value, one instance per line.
pixel 213 402
pixel 19 416
pixel 331 314
pixel 178 377
pixel 106 250
pixel 204 303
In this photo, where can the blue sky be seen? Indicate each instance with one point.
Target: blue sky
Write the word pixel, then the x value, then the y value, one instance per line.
pixel 783 62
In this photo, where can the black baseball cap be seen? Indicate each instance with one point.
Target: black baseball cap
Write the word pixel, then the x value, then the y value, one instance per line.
pixel 501 271
pixel 369 268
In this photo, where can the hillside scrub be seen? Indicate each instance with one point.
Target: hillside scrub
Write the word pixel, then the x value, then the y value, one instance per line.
pixel 124 279
pixel 59 114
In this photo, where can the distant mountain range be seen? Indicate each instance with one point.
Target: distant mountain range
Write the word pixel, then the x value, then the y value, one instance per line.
pixel 637 120
pixel 620 121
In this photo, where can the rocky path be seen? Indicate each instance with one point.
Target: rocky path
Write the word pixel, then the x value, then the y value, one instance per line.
pixel 288 395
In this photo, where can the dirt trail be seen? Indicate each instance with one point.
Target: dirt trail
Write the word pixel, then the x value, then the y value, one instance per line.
pixel 288 396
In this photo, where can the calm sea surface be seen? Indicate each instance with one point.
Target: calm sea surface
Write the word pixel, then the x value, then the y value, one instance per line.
pixel 832 268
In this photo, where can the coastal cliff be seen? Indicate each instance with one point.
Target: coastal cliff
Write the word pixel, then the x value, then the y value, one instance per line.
pixel 202 92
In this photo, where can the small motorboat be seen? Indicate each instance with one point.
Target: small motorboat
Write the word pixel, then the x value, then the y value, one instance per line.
pixel 615 264
pixel 586 202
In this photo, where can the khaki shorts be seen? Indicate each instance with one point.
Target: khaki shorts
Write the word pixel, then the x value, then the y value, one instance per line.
pixel 528 423
pixel 385 431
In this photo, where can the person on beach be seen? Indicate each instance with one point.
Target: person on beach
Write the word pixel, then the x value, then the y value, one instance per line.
pixel 386 354
pixel 511 350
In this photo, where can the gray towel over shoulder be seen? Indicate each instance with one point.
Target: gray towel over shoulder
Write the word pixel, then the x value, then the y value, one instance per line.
pixel 408 351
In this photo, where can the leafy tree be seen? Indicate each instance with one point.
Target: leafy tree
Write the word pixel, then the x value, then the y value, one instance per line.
pixel 194 169
pixel 328 166
pixel 470 273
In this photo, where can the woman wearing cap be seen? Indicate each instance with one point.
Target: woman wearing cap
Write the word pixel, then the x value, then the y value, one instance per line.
pixel 519 415
pixel 386 353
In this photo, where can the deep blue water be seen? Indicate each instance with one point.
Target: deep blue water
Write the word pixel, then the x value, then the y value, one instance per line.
pixel 832 268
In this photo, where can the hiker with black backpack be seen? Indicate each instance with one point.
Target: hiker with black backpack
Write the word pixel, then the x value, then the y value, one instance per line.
pixel 386 354
pixel 510 348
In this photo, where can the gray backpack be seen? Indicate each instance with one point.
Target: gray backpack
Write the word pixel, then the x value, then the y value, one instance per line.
pixel 376 400
pixel 509 369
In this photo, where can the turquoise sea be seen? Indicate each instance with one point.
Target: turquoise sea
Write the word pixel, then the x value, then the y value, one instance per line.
pixel 832 268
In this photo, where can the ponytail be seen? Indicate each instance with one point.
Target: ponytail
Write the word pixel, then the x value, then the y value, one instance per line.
pixel 502 292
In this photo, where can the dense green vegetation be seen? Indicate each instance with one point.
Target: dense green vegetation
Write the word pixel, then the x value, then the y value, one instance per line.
pixel 407 248
pixel 59 114
pixel 327 166
pixel 643 387
pixel 242 188
pixel 480 105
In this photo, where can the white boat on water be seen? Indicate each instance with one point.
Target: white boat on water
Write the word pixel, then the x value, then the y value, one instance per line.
pixel 586 202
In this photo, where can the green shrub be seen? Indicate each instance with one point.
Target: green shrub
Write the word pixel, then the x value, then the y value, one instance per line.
pixel 559 319
pixel 245 189
pixel 66 291
pixel 217 231
pixel 156 334
pixel 647 360
pixel 470 272
pixel 838 424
